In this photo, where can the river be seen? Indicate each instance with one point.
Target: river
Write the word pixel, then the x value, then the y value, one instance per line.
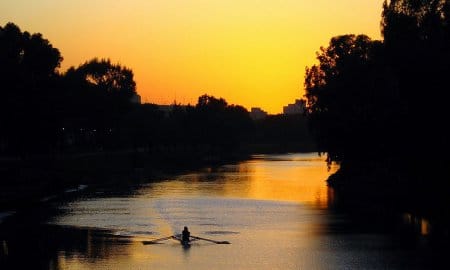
pixel 275 210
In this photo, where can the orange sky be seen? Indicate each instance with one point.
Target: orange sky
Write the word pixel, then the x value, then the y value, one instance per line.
pixel 250 52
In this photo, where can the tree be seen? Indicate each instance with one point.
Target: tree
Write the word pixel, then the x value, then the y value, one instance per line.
pixel 217 123
pixel 25 56
pixel 110 83
pixel 29 76
pixel 99 90
pixel 350 97
pixel 417 38
pixel 142 126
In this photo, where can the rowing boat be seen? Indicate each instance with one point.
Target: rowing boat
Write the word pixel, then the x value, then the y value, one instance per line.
pixel 183 243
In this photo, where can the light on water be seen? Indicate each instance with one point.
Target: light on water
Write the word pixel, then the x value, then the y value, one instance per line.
pixel 272 208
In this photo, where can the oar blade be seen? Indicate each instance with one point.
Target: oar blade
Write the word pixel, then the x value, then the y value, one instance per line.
pixel 157 241
pixel 210 240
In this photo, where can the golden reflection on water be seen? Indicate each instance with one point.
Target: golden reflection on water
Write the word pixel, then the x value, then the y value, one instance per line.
pixel 425 227
pixel 240 203
pixel 419 224
pixel 290 182
pixel 291 178
pixel 295 178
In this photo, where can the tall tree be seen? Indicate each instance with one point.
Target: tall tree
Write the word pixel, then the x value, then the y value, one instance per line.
pixel 350 98
pixel 102 91
pixel 28 75
pixel 417 38
pixel 219 123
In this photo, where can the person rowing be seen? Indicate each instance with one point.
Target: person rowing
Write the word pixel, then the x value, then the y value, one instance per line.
pixel 185 235
pixel 185 238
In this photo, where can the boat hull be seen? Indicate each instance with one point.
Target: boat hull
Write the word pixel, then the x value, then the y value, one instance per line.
pixel 183 243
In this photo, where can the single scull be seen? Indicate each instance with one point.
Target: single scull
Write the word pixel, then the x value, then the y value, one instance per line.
pixel 184 243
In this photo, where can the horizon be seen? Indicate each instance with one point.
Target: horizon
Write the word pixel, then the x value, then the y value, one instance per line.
pixel 251 53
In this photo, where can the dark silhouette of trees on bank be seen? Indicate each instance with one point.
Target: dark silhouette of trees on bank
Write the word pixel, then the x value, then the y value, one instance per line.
pixel 417 40
pixel 282 133
pixel 351 99
pixel 29 85
pixel 212 127
pixel 42 108
pixel 379 108
pixel 108 87
pixel 90 109
pixel 96 96
pixel 220 124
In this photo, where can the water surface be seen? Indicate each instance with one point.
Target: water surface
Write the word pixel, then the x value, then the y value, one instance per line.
pixel 274 209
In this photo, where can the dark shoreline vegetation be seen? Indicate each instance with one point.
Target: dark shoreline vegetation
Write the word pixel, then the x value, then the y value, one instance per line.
pixel 377 108
pixel 28 181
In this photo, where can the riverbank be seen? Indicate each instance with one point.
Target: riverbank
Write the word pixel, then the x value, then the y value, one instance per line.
pixel 25 182
pixel 376 191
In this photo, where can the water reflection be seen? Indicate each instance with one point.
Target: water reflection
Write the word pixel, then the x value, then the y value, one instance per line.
pixel 51 247
pixel 294 178
pixel 417 223
pixel 273 210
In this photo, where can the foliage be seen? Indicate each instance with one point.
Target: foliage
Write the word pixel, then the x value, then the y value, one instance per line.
pixel 380 108
pixel 350 96
pixel 108 87
pixel 220 123
pixel 89 108
pixel 417 38
pixel 97 94
pixel 28 74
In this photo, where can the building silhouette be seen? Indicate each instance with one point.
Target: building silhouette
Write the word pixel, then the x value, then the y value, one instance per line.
pixel 295 108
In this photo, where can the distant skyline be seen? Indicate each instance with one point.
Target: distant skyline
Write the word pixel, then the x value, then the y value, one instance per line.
pixel 249 52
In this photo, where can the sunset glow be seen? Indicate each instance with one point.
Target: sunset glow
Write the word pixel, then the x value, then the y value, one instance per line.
pixel 250 52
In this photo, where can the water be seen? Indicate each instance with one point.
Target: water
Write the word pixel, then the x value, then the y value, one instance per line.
pixel 274 209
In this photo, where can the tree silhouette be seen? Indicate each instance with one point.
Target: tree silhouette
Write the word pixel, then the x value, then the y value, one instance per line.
pixel 98 93
pixel 29 76
pixel 214 119
pixel 380 108
pixel 350 96
pixel 142 126
pixel 417 38
pixel 108 83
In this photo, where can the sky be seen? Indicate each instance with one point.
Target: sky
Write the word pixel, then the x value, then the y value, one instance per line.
pixel 250 52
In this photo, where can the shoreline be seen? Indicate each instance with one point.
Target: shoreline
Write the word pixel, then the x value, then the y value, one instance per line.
pixel 29 179
pixel 30 182
pixel 374 193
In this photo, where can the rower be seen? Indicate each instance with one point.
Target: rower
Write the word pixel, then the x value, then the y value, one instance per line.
pixel 186 235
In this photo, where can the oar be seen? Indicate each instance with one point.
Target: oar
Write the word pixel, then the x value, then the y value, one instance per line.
pixel 210 240
pixel 155 241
